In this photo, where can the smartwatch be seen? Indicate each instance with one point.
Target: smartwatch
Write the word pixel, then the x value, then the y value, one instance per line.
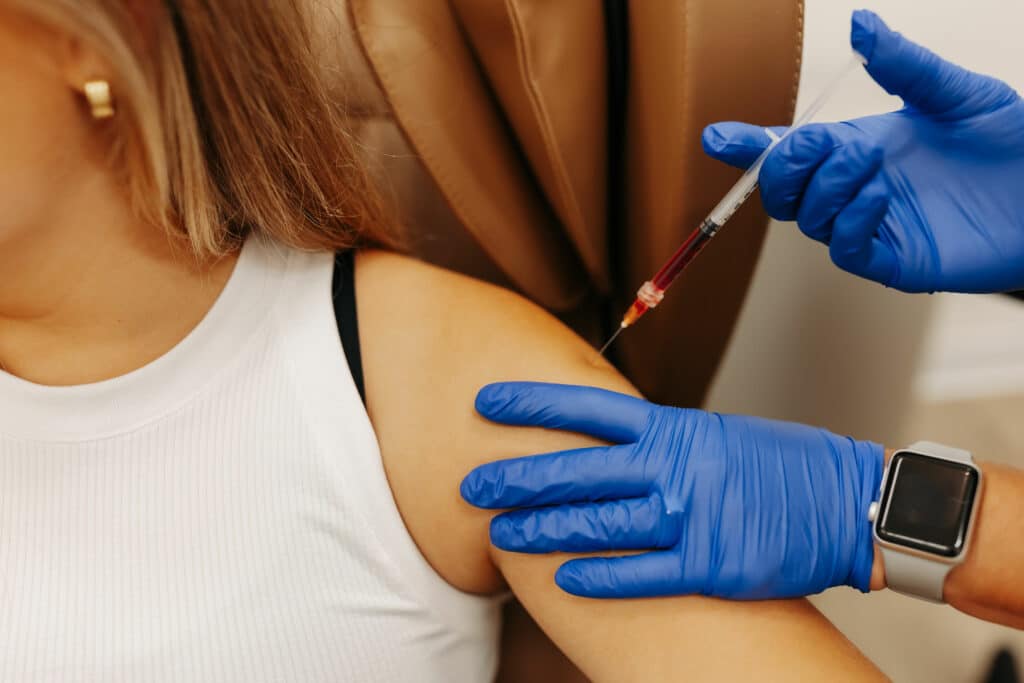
pixel 924 516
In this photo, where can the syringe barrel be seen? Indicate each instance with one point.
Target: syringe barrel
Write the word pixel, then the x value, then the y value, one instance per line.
pixel 686 252
pixel 741 191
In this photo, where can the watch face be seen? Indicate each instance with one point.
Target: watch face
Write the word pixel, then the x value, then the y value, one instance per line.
pixel 927 503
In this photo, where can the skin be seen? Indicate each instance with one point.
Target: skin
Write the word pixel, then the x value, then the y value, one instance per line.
pixel 87 287
pixel 90 293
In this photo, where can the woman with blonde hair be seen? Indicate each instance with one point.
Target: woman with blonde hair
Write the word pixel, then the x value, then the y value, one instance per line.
pixel 191 487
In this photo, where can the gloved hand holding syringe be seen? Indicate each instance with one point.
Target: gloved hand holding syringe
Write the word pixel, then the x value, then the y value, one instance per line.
pixel 653 291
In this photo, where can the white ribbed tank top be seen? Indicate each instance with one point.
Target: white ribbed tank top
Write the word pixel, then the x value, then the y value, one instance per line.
pixel 220 514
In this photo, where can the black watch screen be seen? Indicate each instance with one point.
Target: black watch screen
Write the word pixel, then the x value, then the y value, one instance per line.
pixel 927 503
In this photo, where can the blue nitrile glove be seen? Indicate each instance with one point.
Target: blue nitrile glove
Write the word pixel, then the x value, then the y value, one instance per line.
pixel 927 198
pixel 736 507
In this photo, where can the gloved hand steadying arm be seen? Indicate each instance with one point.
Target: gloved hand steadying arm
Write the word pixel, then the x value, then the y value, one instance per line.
pixel 927 198
pixel 732 506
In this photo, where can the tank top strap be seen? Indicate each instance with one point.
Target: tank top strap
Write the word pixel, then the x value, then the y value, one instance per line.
pixel 343 293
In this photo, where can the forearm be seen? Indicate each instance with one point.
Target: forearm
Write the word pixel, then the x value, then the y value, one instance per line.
pixel 684 638
pixel 988 584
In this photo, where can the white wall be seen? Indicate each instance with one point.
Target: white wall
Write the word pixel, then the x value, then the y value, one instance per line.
pixel 974 349
pixel 814 344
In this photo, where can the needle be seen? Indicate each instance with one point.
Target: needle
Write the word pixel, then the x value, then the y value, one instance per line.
pixel 609 342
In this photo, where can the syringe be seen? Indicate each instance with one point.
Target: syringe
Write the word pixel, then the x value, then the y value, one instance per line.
pixel 653 291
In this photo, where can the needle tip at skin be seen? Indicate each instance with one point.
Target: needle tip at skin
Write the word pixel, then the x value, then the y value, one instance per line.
pixel 609 342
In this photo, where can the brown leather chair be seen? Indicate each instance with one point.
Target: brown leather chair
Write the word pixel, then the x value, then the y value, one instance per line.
pixel 554 147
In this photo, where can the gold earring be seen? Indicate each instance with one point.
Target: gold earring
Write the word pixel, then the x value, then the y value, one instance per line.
pixel 100 100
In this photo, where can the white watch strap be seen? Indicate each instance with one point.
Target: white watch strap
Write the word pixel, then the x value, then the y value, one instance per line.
pixel 912 574
pixel 941 451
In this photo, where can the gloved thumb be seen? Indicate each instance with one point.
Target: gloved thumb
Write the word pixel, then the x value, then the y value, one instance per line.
pixel 737 144
pixel 924 80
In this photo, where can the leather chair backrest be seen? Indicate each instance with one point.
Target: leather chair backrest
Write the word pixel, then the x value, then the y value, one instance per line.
pixel 694 62
pixel 516 160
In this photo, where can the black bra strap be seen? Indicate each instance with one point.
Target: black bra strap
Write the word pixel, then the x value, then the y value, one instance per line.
pixel 343 291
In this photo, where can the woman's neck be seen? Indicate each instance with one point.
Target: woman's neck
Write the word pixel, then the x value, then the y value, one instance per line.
pixel 98 294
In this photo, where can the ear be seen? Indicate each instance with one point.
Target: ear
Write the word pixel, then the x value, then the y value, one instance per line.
pixel 78 63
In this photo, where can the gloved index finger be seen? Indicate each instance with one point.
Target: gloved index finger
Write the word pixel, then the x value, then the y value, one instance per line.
pixel 625 524
pixel 600 413
pixel 738 144
pixel 583 474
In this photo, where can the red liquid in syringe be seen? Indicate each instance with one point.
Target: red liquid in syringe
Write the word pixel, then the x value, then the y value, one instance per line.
pixel 652 292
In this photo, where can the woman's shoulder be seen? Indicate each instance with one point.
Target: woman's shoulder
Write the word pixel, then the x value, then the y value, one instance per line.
pixel 431 338
pixel 410 282
pixel 471 329
pixel 461 322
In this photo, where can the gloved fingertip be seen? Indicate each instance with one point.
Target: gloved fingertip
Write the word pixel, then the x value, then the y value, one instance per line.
pixel 468 489
pixel 477 490
pixel 568 578
pixel 865 26
pixel 722 134
pixel 712 139
pixel 492 398
pixel 503 533
pixel 717 136
pixel 736 143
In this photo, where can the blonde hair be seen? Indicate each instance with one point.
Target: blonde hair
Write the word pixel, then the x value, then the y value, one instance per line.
pixel 224 124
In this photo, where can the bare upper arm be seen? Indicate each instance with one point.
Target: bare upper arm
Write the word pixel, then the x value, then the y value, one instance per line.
pixel 431 339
